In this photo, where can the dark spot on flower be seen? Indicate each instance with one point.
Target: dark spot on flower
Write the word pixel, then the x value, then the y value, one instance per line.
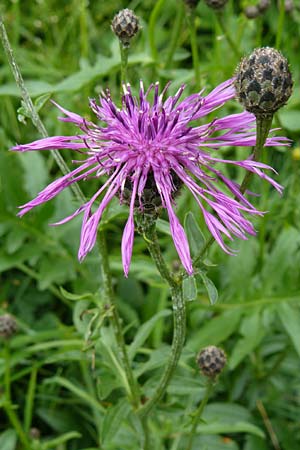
pixel 267 74
pixel 254 86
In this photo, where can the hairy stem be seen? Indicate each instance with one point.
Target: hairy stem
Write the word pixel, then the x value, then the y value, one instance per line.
pixel 198 413
pixel 124 64
pixel 179 319
pixel 7 404
pixel 115 319
pixel 263 125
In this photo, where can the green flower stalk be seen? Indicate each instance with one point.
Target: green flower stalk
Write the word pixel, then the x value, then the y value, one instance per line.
pixel 211 361
pixel 125 25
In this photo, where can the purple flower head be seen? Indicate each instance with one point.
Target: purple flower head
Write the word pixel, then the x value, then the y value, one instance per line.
pixel 153 142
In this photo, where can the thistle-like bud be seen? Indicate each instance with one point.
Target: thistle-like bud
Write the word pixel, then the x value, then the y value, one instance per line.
pixel 125 25
pixel 251 12
pixel 216 4
pixel 263 81
pixel 263 5
pixel 8 326
pixel 34 433
pixel 288 6
pixel 211 361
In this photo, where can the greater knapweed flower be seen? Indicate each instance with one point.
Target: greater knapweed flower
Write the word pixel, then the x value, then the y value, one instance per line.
pixel 152 143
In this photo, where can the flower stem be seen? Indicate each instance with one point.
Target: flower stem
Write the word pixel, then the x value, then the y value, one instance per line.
pixel 30 108
pixel 152 22
pixel 124 63
pixel 193 37
pixel 198 413
pixel 280 23
pixel 7 405
pixel 179 319
pixel 232 45
pixel 115 319
pixel 263 125
pixel 176 33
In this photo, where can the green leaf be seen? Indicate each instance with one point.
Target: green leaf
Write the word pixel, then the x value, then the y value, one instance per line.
pixel 145 331
pixel 195 236
pixel 8 440
pixel 35 172
pixel 113 420
pixel 252 331
pixel 74 297
pixel 289 317
pixel 216 330
pixel 52 443
pixel 77 391
pixel 290 119
pixel 224 428
pixel 189 288
pixel 163 226
pixel 210 288
pixel 41 100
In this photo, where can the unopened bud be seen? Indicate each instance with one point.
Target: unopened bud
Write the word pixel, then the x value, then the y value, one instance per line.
pixel 211 361
pixel 125 25
pixel 216 4
pixel 263 81
pixel 8 326
pixel 263 5
pixel 251 12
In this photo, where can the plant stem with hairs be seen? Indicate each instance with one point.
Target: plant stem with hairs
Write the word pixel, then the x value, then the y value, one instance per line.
pixel 179 318
pixel 116 322
pixel 198 413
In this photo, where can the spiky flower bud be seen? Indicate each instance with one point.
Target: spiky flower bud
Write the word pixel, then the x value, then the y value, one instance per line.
pixel 216 4
pixel 263 5
pixel 263 81
pixel 125 25
pixel 288 6
pixel 211 361
pixel 34 433
pixel 251 12
pixel 8 326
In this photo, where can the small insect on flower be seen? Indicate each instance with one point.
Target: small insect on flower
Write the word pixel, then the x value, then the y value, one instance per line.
pixel 147 149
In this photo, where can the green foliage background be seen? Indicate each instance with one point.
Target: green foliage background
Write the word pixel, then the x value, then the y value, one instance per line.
pixel 65 378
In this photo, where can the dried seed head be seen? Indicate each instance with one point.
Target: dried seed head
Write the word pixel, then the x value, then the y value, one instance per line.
pixel 251 12
pixel 211 361
pixel 125 25
pixel 263 5
pixel 263 81
pixel 8 326
pixel 216 4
